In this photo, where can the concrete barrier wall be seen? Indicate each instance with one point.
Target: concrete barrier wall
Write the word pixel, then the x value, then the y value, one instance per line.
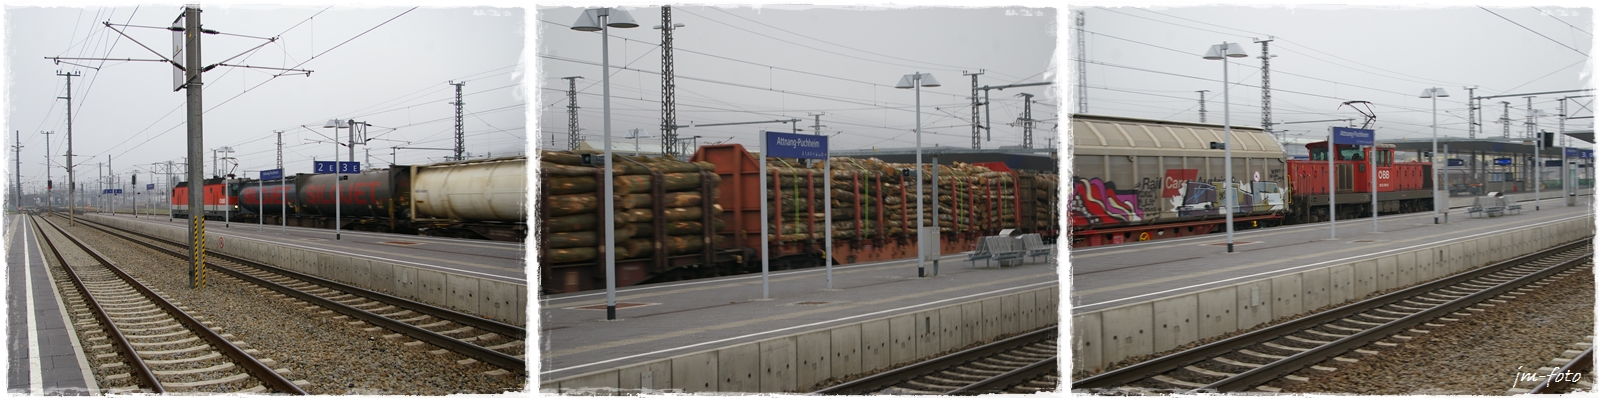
pixel 1105 337
pixel 1549 196
pixel 796 362
pixel 504 301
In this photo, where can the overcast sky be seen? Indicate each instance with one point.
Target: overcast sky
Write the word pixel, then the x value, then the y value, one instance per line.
pixel 743 63
pixel 1146 62
pixel 382 65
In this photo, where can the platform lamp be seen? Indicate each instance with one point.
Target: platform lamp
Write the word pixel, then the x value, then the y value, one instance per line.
pixel 918 81
pixel 602 19
pixel 1222 52
pixel 1435 94
pixel 336 124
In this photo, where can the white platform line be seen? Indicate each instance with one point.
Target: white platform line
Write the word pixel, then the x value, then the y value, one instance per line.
pixel 35 374
pixel 836 267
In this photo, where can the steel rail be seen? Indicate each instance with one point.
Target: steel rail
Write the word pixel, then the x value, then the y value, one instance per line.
pixel 909 372
pixel 1583 362
pixel 260 371
pixel 1178 360
pixel 1009 379
pixel 504 329
pixel 140 369
pixel 1276 369
pixel 509 362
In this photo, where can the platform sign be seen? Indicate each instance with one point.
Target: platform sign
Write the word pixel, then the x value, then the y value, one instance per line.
pixel 150 186
pixel 272 174
pixel 111 191
pixel 1456 162
pixel 1354 136
pixel 345 167
pixel 1579 153
pixel 796 146
pixel 1502 161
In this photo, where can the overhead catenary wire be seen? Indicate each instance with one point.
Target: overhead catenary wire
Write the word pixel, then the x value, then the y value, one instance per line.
pixel 1534 31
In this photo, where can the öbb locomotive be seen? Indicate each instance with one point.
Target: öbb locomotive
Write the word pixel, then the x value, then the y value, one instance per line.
pixel 1139 179
pixel 482 199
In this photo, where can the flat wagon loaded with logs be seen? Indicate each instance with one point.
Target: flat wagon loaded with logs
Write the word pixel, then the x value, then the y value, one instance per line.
pixel 665 225
pixel 702 218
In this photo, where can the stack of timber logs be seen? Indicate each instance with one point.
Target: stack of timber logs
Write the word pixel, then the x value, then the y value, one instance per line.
pixel 971 198
pixel 570 211
pixel 866 197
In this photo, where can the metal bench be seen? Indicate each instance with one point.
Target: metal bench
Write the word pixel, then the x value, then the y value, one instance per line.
pixel 997 248
pixel 1514 207
pixel 1033 245
pixel 1474 210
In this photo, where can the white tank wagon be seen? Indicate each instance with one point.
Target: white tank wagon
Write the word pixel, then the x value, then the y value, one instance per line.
pixel 1139 179
pixel 486 197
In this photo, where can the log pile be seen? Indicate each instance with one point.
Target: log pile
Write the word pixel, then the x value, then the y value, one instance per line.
pixel 569 208
pixel 971 198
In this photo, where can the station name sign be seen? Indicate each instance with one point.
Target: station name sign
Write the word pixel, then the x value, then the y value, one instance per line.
pixel 1579 153
pixel 1353 136
pixel 796 146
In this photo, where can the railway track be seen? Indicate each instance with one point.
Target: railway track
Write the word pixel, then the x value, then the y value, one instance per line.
pixel 147 343
pixel 1022 364
pixel 1564 377
pixel 480 339
pixel 1293 351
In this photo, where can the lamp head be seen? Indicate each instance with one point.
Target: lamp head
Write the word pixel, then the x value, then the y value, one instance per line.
pixel 910 81
pixel 1434 92
pixel 589 21
pixel 335 123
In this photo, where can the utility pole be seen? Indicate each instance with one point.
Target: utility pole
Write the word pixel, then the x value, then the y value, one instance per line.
pixel 572 112
pixel 1472 113
pixel 280 149
pixel 1202 105
pixel 1528 131
pixel 197 137
pixel 817 127
pixel 1083 74
pixel 975 126
pixel 1505 120
pixel 18 150
pixel 1266 89
pixel 72 179
pixel 461 145
pixel 49 182
pixel 1027 121
pixel 669 88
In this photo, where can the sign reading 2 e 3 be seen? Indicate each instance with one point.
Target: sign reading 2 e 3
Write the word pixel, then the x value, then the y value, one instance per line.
pixel 345 167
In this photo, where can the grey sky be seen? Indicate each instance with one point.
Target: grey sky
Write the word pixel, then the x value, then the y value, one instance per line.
pixel 794 61
pixel 1330 54
pixel 393 77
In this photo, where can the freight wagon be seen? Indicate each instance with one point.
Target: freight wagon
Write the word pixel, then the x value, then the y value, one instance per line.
pixel 871 204
pixel 482 199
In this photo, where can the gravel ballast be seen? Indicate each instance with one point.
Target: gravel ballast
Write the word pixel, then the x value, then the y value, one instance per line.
pixel 334 353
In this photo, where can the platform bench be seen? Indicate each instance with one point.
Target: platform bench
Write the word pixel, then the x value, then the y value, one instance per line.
pixel 1034 246
pixel 997 248
pixel 1514 207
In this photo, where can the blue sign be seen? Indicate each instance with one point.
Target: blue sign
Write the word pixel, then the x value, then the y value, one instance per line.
pixel 1456 162
pixel 1579 153
pixel 272 174
pixel 111 191
pixel 795 146
pixel 1502 161
pixel 1359 137
pixel 345 167
pixel 150 186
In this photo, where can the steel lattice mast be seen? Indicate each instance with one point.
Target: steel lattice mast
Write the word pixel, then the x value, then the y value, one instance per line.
pixel 1202 105
pixel 1266 89
pixel 1083 74
pixel 572 112
pixel 1027 121
pixel 975 103
pixel 1472 113
pixel 669 107
pixel 461 144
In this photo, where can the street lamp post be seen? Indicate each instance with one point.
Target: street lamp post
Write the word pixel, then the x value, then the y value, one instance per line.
pixel 1222 52
pixel 602 20
pixel 918 81
pixel 336 124
pixel 1435 94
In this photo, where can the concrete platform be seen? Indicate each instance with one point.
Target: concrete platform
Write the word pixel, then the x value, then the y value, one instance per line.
pixel 1108 276
pixel 788 338
pixel 45 357
pixel 503 261
pixel 1143 298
